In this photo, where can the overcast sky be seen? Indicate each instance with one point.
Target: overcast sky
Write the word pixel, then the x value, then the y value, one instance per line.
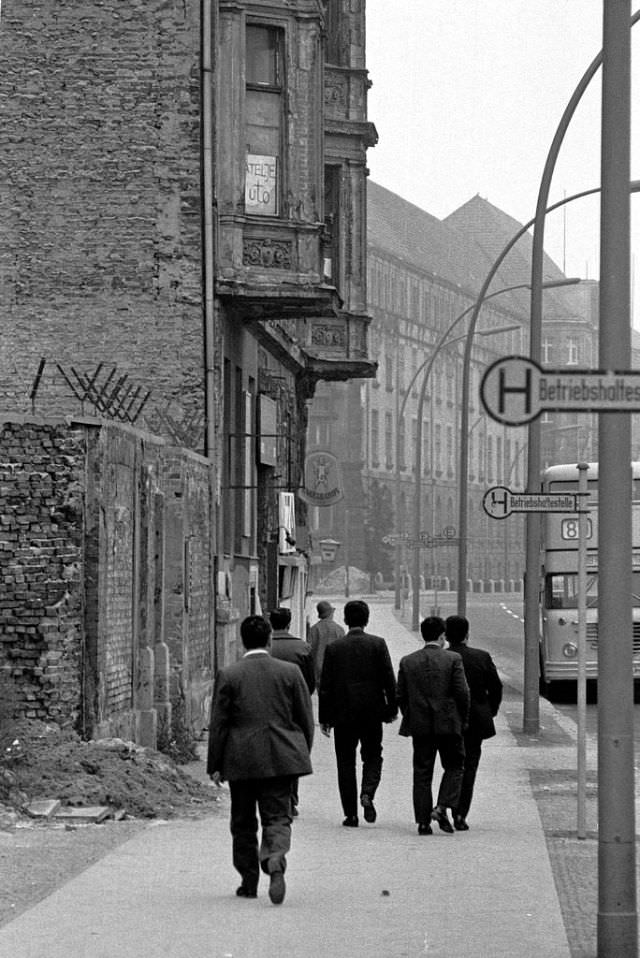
pixel 466 98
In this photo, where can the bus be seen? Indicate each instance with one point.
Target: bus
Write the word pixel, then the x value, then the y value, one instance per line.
pixel 559 580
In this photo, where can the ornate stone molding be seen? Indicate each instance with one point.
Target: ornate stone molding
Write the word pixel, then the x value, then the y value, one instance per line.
pixel 268 253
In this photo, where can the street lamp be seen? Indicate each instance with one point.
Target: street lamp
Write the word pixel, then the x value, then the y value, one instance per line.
pixel 463 470
pixel 444 341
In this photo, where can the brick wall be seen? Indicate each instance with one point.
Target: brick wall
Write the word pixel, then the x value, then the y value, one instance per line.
pixel 100 214
pixel 105 551
pixel 41 594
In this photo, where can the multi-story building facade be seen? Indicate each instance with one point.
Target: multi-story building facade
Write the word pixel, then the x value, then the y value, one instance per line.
pixel 424 277
pixel 182 250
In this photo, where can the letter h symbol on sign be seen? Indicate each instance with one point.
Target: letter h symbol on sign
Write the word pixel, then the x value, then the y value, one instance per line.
pixel 503 390
pixel 499 502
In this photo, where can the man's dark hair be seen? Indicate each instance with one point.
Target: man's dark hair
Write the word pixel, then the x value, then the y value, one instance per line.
pixel 280 618
pixel 457 629
pixel 255 632
pixel 356 613
pixel 432 628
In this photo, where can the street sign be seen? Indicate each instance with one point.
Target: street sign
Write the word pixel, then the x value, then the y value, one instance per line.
pixel 499 502
pixel 424 540
pixel 515 390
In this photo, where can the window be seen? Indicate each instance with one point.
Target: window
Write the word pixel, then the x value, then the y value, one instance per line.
pixel 438 449
pixel 572 347
pixel 449 451
pixel 546 352
pixel 375 437
pixel 388 373
pixel 264 95
pixel 388 439
pixel 402 462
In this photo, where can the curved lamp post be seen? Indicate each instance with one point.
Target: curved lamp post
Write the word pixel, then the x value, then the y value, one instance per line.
pixel 428 365
pixel 440 344
pixel 531 717
pixel 463 470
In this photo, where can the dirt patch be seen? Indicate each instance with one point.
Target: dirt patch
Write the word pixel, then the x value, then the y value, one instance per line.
pixel 44 762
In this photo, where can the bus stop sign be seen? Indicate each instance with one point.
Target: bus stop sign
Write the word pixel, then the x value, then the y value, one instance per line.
pixel 499 502
pixel 515 390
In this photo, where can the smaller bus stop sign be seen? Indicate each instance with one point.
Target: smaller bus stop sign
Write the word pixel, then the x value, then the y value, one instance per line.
pixel 499 502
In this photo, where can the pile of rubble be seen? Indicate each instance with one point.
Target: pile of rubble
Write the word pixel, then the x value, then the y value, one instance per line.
pixel 48 773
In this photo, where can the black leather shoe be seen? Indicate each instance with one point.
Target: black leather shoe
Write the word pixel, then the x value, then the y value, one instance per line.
pixel 277 888
pixel 246 891
pixel 460 823
pixel 350 821
pixel 424 828
pixel 440 816
pixel 369 808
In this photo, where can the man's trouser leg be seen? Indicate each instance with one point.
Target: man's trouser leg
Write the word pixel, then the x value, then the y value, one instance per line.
pixel 371 755
pixel 424 756
pixel 244 830
pixel 274 802
pixel 345 742
pixel 451 750
pixel 472 753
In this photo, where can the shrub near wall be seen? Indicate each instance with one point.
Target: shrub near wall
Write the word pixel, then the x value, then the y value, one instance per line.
pixel 41 606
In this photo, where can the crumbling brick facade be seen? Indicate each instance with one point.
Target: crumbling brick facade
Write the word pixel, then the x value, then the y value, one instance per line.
pixel 105 562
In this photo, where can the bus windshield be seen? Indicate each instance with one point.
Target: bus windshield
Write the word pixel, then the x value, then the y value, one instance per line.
pixel 561 590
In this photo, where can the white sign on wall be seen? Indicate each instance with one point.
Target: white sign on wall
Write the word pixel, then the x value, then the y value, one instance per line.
pixel 261 185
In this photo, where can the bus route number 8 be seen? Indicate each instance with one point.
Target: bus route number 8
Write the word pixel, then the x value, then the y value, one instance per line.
pixel 570 529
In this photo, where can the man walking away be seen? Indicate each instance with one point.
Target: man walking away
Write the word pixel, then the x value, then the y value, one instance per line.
pixel 288 648
pixel 434 700
pixel 260 738
pixel 357 694
pixel 322 634
pixel 485 687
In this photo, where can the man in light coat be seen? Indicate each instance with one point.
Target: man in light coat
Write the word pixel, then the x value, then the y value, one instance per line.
pixel 433 696
pixel 322 634
pixel 260 738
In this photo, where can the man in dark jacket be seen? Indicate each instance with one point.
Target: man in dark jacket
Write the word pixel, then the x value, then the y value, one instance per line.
pixel 289 648
pixel 260 738
pixel 434 700
pixel 357 694
pixel 486 695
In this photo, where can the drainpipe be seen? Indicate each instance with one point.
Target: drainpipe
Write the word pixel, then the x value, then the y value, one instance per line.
pixel 208 27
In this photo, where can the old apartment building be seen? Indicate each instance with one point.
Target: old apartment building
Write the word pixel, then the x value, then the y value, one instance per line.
pixel 182 261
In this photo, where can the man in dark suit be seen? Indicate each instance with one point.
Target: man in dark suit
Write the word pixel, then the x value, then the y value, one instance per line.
pixel 434 700
pixel 486 695
pixel 357 694
pixel 260 738
pixel 288 648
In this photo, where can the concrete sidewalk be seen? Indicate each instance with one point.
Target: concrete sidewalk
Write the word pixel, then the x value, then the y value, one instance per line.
pixel 379 891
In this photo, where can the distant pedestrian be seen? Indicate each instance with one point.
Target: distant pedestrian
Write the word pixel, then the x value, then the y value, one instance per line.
pixel 289 648
pixel 485 687
pixel 434 700
pixel 322 634
pixel 357 694
pixel 260 738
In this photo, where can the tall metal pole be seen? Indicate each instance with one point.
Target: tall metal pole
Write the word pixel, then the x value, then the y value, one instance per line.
pixel 617 906
pixel 531 710
pixel 582 650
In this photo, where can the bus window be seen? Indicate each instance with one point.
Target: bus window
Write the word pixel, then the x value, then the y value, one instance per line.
pixel 562 591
